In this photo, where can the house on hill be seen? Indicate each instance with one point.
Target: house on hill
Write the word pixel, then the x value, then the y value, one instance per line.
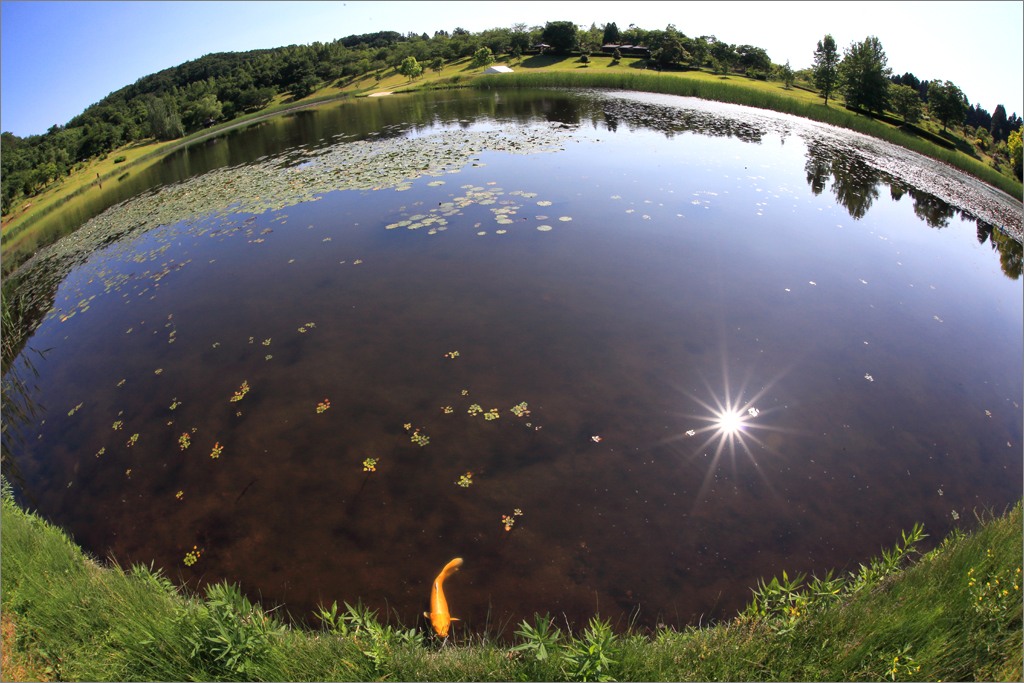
pixel 498 69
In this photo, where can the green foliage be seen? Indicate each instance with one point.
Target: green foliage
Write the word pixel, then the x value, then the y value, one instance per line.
pixel 482 57
pixel 947 103
pixel 1013 145
pixel 560 35
pixel 540 639
pixel 906 102
pixel 865 75
pixel 610 36
pixel 410 68
pixel 826 66
pixel 120 159
pixel 374 640
pixel 786 75
pixel 590 658
pixel 228 635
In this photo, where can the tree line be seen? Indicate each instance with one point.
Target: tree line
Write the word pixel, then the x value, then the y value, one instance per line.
pixel 221 86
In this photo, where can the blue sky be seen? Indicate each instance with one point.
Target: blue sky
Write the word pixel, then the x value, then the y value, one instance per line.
pixel 57 58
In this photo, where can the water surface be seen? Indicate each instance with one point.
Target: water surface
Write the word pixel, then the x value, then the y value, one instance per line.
pixel 630 267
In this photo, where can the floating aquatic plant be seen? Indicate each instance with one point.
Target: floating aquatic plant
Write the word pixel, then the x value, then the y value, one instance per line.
pixel 466 480
pixel 322 406
pixel 448 410
pixel 597 439
pixel 184 441
pixel 217 450
pixel 192 556
pixel 240 394
pixel 370 465
pixel 492 414
pixel 132 440
pixel 509 521
pixel 266 342
pixel 419 439
pixel 475 409
pixel 452 355
pixel 101 451
pixel 174 404
pixel 117 425
pixel 520 410
pixel 74 410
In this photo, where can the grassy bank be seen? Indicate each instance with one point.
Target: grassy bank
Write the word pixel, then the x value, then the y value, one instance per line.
pixel 951 614
pixel 753 93
pixel 21 236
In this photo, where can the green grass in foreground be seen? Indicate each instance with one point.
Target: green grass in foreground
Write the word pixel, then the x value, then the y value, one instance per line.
pixel 952 614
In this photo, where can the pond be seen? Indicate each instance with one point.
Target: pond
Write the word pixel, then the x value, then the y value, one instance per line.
pixel 623 353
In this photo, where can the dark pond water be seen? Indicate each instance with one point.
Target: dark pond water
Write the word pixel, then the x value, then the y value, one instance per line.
pixel 679 345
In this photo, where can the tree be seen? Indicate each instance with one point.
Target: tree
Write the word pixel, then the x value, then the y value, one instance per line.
pixel 164 120
pixel 787 75
pixel 947 103
pixel 1013 144
pixel 1000 129
pixel 724 55
pixel 410 68
pixel 611 34
pixel 560 35
pixel 906 102
pixel 754 60
pixel 826 66
pixel 670 50
pixel 865 75
pixel 482 57
pixel 437 64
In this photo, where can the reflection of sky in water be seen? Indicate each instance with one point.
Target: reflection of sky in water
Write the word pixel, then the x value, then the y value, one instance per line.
pixel 861 366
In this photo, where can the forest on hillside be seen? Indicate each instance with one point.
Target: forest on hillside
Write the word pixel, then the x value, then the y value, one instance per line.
pixel 222 86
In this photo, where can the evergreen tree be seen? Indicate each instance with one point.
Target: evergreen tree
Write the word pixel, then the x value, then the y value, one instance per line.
pixel 826 66
pixel 1000 129
pixel 611 34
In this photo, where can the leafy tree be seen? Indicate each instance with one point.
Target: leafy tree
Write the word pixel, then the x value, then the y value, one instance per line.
pixel 670 49
pixel 947 103
pixel 787 75
pixel 826 66
pixel 560 35
pixel 611 34
pixel 1013 144
pixel 164 119
pixel 865 75
pixel 753 60
pixel 410 68
pixel 724 55
pixel 906 102
pixel 198 113
pixel 437 64
pixel 482 57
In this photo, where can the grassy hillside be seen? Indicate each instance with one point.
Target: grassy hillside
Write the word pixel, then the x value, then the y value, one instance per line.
pixel 951 614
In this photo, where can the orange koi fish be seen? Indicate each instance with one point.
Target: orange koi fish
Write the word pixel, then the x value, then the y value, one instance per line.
pixel 438 614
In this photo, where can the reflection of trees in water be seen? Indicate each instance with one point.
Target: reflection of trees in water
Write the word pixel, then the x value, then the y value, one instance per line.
pixel 1011 252
pixel 854 183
